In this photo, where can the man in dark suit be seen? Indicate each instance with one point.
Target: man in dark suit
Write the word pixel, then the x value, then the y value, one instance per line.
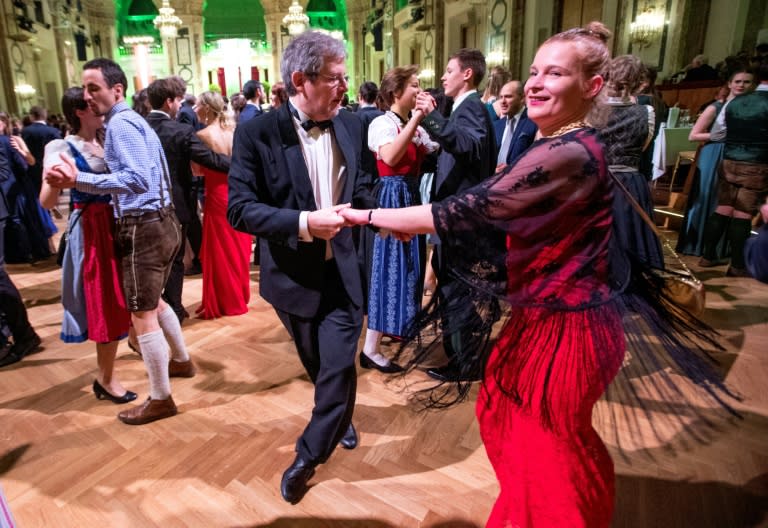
pixel 37 135
pixel 514 132
pixel 25 340
pixel 367 111
pixel 181 146
pixel 187 114
pixel 292 170
pixel 254 93
pixel 468 157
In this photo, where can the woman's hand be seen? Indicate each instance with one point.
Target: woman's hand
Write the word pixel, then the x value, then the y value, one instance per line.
pixel 21 147
pixel 355 216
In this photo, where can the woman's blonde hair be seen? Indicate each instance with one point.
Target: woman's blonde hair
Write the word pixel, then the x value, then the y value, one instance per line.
pixel 215 103
pixel 593 52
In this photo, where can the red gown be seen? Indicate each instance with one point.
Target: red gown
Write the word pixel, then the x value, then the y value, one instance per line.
pixel 564 340
pixel 224 254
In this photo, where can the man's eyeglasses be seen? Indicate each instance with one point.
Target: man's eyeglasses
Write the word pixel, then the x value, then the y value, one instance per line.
pixel 333 80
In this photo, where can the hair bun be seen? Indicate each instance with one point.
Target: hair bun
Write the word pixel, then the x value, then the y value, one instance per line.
pixel 598 30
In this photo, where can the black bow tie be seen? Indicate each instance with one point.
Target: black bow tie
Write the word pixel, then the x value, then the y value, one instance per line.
pixel 310 124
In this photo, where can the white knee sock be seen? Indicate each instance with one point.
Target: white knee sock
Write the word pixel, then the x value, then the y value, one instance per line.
pixel 154 351
pixel 169 322
pixel 371 347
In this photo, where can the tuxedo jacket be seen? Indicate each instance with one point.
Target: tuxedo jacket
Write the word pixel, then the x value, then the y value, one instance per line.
pixel 269 186
pixel 181 145
pixel 522 137
pixel 468 154
pixel 37 136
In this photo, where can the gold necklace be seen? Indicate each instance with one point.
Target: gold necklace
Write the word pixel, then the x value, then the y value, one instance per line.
pixel 567 128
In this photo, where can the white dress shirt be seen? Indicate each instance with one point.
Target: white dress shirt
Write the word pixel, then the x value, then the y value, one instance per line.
pixel 327 172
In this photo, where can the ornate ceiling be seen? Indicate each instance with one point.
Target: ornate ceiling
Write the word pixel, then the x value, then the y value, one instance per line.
pixel 106 8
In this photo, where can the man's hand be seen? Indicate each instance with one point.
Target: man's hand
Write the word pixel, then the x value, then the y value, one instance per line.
pixel 62 175
pixel 425 102
pixel 326 223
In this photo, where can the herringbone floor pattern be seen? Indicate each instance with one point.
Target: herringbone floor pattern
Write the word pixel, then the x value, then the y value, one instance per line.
pixel 66 461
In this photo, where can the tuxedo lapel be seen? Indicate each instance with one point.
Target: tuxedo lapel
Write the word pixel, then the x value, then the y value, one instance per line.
pixel 294 158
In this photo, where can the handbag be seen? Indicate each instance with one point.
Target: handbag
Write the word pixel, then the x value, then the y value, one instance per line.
pixel 681 287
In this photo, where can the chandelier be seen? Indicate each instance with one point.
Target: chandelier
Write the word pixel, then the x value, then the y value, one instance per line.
pixel 647 27
pixel 296 20
pixel 25 91
pixel 167 22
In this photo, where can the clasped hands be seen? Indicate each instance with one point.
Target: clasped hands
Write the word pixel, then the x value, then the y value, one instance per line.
pixel 62 175
pixel 327 223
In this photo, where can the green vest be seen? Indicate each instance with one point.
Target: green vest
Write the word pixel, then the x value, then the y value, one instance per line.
pixel 746 121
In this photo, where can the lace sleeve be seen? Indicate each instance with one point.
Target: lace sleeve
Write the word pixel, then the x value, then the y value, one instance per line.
pixel 551 173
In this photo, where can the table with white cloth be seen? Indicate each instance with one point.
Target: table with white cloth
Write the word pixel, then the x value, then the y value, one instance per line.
pixel 668 145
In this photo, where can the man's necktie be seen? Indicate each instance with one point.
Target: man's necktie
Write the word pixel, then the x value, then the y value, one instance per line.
pixel 506 140
pixel 310 124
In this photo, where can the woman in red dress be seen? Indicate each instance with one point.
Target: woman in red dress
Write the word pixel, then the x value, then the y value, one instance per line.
pixel 225 253
pixel 563 341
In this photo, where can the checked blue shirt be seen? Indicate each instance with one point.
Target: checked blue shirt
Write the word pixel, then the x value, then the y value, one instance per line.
pixel 137 177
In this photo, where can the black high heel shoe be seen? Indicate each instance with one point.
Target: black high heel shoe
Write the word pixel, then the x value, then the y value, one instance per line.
pixel 368 363
pixel 102 394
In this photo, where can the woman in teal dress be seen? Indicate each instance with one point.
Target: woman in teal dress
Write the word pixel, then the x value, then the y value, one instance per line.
pixel 702 199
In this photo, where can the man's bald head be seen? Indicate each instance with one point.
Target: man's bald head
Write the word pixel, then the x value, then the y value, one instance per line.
pixel 511 98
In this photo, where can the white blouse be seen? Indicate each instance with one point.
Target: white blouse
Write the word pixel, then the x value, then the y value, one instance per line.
pixel 384 129
pixel 92 153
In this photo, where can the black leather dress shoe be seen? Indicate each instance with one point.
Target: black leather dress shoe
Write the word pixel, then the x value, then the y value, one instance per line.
pixel 368 363
pixel 21 348
pixel 293 486
pixel 451 373
pixel 349 440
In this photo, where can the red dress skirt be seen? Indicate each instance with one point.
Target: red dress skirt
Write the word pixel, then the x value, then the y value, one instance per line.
pixel 224 254
pixel 552 466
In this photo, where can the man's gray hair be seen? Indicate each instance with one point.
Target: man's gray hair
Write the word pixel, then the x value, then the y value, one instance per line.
pixel 307 53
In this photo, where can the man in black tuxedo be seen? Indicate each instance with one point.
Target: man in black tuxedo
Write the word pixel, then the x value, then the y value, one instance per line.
pixel 292 170
pixel 514 132
pixel 181 146
pixel 37 135
pixel 25 340
pixel 468 156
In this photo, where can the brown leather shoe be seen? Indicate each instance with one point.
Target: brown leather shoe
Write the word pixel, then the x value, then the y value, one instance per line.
pixel 181 369
pixel 149 411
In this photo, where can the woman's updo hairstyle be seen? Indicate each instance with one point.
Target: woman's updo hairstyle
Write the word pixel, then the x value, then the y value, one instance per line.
pixel 593 52
pixel 215 103
pixel 625 75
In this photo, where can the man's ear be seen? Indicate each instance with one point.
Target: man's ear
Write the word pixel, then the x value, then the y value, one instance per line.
pixel 467 75
pixel 298 78
pixel 120 89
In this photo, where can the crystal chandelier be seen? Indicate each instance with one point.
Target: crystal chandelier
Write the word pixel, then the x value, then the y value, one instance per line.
pixel 647 27
pixel 25 91
pixel 167 22
pixel 296 20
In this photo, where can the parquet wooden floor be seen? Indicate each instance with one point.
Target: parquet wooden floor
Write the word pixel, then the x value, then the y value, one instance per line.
pixel 66 461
